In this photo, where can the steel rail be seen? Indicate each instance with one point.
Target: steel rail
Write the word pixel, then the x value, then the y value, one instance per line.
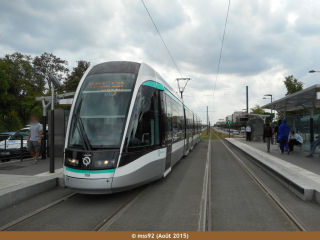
pixel 108 221
pixel 294 219
pixel 205 212
pixel 29 215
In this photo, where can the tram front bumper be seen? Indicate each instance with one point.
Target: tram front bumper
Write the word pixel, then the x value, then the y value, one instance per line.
pixel 89 186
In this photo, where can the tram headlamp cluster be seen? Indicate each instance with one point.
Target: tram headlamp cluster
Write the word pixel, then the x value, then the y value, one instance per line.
pixel 103 163
pixel 72 161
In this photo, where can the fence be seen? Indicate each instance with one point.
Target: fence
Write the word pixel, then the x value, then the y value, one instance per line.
pixel 13 149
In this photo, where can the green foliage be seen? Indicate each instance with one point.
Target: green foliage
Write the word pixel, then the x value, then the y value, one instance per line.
pixel 257 110
pixel 47 64
pixel 292 84
pixel 22 85
pixel 22 78
pixel 4 83
pixel 73 79
pixel 2 126
pixel 12 122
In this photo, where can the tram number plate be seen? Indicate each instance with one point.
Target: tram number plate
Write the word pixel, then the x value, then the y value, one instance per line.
pixel 87 175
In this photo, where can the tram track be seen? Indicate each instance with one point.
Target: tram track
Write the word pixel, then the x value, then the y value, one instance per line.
pixel 205 214
pixel 36 212
pixel 108 221
pixel 102 226
pixel 283 208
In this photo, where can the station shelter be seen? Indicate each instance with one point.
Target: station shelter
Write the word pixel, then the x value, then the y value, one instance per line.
pixel 257 123
pixel 301 110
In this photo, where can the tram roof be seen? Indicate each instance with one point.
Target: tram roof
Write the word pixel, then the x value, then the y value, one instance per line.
pixel 305 98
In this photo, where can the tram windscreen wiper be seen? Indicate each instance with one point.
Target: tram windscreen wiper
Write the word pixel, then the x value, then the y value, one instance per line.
pixel 79 125
pixel 83 133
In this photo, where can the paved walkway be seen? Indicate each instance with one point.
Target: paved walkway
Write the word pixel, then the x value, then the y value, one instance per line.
pixel 17 173
pixel 296 157
pixel 27 168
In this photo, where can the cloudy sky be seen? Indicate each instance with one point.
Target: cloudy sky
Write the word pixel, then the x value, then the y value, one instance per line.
pixel 265 41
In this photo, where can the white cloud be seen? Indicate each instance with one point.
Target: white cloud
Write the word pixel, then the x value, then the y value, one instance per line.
pixel 265 41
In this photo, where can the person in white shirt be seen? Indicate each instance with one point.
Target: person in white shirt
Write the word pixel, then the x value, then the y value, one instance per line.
pixel 248 131
pixel 296 139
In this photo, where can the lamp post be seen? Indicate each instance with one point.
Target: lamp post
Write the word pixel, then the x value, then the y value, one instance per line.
pixel 311 117
pixel 269 95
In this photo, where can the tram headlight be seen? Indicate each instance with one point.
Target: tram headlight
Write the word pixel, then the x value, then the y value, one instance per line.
pixel 104 163
pixel 72 161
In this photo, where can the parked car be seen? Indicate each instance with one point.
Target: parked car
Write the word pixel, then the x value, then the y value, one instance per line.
pixel 6 135
pixel 236 132
pixel 12 149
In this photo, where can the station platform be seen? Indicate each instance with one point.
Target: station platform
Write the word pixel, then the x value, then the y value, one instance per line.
pixel 298 173
pixel 22 179
pixel 296 157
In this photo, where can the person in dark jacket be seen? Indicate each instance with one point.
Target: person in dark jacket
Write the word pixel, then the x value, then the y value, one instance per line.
pixel 277 128
pixel 283 135
pixel 267 135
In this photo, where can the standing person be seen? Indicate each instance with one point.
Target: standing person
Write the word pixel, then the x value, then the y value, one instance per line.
pixel 277 128
pixel 248 131
pixel 283 135
pixel 296 139
pixel 313 146
pixel 34 139
pixel 267 135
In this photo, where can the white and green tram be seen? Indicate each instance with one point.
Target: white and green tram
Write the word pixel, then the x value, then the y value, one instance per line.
pixel 127 127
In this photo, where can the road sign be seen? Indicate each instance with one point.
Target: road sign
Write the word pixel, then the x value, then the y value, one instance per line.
pixel 229 122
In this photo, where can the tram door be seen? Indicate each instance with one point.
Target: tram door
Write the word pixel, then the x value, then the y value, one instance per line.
pixel 168 131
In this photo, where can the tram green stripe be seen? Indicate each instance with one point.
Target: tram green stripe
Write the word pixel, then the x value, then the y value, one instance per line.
pixel 150 84
pixel 160 87
pixel 89 171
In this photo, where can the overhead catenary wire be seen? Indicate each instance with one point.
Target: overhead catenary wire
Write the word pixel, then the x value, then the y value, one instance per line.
pixel 224 33
pixel 161 37
pixel 167 48
pixel 218 68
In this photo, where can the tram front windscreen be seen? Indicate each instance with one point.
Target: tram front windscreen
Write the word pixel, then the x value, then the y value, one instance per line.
pixel 101 110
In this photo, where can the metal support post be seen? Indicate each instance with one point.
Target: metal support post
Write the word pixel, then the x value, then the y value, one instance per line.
pixel 52 131
pixel 21 147
pixel 247 95
pixel 44 129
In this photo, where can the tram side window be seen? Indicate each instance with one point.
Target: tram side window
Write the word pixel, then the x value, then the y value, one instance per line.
pixel 169 118
pixel 196 124
pixel 143 130
pixel 192 124
pixel 181 122
pixel 175 124
pixel 189 124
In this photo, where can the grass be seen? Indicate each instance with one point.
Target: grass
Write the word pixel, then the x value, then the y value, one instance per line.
pixel 206 136
pixel 214 135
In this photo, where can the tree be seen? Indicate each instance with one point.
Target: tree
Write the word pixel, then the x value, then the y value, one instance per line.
pixel 4 86
pixel 20 76
pixel 292 84
pixel 73 79
pixel 257 110
pixel 12 122
pixel 48 63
